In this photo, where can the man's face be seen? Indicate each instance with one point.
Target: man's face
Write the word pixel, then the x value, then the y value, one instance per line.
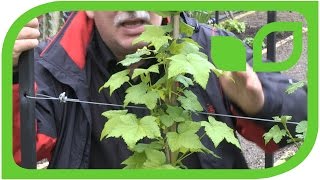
pixel 119 28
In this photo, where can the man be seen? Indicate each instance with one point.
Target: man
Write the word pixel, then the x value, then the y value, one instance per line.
pixel 84 54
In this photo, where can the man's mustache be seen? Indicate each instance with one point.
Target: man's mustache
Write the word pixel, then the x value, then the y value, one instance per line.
pixel 128 15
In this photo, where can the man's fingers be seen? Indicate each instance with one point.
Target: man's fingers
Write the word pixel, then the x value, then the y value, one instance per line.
pixel 25 44
pixel 34 23
pixel 27 39
pixel 28 33
pixel 22 45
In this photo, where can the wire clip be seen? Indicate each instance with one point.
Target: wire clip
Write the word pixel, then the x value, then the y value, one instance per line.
pixel 63 98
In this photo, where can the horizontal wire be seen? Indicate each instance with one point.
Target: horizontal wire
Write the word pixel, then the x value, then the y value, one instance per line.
pixel 79 101
pixel 244 117
pixel 41 98
pixel 66 99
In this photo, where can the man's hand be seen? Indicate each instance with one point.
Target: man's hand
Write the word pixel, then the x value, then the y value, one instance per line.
pixel 246 90
pixel 27 39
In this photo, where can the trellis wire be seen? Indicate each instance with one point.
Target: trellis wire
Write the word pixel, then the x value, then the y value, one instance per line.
pixel 63 99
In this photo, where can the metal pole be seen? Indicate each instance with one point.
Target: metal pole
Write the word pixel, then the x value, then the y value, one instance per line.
pixel 27 110
pixel 217 17
pixel 271 39
pixel 268 160
pixel 271 55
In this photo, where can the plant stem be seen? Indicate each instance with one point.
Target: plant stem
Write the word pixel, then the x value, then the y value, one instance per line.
pixel 176 23
pixel 147 58
pixel 130 83
pixel 172 93
pixel 166 148
pixel 202 136
pixel 290 136
pixel 184 156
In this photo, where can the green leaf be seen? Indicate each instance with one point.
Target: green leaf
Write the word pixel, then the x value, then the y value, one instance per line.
pixel 176 113
pixel 193 64
pixel 167 13
pixel 139 94
pixel 201 69
pixel 184 80
pixel 189 126
pixel 161 81
pixel 232 25
pixel 116 80
pixel 167 166
pixel 161 56
pixel 131 129
pixel 282 119
pixel 184 46
pixel 295 86
pixel 154 68
pixel 218 131
pixel 151 98
pixel 114 113
pixel 166 120
pixel 113 127
pixel 190 101
pixel 186 29
pixel 218 72
pixel 181 142
pixel 274 133
pixel 135 161
pixel 149 127
pixel 113 120
pixel 135 94
pixel 139 71
pixel 302 128
pixel 155 158
pixel 141 147
pixel 179 66
pixel 191 41
pixel 300 137
pixel 150 159
pixel 155 35
pixel 135 57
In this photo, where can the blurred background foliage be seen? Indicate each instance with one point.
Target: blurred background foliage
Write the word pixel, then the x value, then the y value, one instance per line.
pixel 51 23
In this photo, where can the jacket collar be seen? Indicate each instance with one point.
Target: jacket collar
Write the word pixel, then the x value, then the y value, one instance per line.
pixel 73 37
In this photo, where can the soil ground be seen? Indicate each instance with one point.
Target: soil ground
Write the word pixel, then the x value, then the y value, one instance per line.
pixel 256 20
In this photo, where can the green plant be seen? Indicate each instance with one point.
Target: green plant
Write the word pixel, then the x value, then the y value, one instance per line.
pixel 201 16
pixel 294 86
pixel 277 134
pixel 249 42
pixel 172 133
pixel 232 25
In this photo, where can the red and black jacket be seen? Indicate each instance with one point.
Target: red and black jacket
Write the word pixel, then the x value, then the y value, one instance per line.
pixel 64 129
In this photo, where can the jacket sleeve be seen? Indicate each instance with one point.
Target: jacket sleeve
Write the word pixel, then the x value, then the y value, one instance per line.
pixel 44 142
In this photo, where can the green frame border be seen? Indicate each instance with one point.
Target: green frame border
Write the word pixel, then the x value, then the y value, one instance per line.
pixel 308 9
